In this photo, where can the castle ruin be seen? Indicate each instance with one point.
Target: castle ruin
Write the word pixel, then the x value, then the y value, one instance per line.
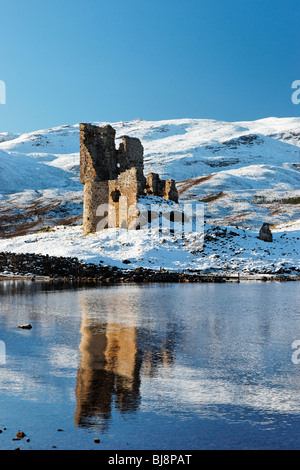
pixel 114 179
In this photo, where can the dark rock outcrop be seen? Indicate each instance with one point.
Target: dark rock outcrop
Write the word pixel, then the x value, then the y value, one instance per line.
pixel 265 233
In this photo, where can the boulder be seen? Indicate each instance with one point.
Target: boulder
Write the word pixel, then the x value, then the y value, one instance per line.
pixel 265 233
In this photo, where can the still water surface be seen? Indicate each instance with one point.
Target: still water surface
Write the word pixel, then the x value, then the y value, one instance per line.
pixel 174 367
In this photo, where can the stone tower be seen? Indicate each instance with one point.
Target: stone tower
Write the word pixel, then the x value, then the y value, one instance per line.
pixel 114 179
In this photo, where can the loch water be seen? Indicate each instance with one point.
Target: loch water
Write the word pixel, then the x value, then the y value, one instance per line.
pixel 161 366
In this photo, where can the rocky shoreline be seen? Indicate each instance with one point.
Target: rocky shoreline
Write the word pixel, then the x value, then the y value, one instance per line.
pixel 36 267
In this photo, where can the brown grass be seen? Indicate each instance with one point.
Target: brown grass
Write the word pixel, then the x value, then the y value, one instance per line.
pixel 190 183
pixel 213 197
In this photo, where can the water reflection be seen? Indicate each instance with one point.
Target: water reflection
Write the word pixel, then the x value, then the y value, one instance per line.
pixel 179 355
pixel 108 373
pixel 30 287
pixel 116 350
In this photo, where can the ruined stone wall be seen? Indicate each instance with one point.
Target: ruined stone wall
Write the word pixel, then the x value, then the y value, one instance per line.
pixel 98 165
pixel 114 179
pixel 131 155
pixel 162 188
pixel 98 155
pixel 95 209
pixel 170 190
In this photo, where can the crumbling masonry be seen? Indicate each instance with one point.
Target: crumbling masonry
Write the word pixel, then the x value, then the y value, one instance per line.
pixel 114 179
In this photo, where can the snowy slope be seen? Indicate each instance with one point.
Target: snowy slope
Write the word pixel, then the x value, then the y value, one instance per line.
pixel 243 171
pixel 40 160
pixel 39 182
pixel 218 249
pixel 4 136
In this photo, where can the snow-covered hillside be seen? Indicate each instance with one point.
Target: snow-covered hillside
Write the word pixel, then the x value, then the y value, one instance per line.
pixel 245 173
pixel 215 250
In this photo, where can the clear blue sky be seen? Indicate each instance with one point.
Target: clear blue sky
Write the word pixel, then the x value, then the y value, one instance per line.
pixel 70 61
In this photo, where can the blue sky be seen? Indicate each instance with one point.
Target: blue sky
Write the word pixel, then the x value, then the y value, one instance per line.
pixel 70 61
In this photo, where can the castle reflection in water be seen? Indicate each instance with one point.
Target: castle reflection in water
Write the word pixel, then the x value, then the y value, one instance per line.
pixel 115 354
pixel 119 342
